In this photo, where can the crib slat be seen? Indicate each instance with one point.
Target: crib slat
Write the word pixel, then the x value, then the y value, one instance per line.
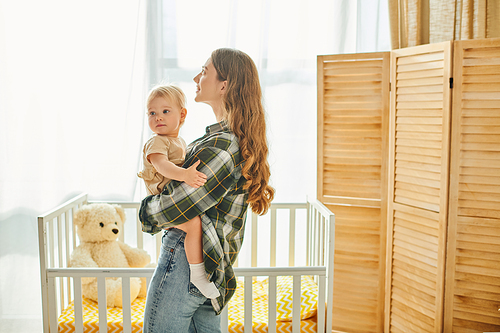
pixel 51 244
pixel 138 231
pixel 158 239
pixel 101 299
pixel 321 240
pixel 73 231
pixel 126 304
pixel 291 239
pixel 314 239
pixel 254 240
pixel 248 304
pixel 308 235
pixel 52 303
pixel 235 264
pixel 224 320
pixel 121 235
pixel 67 246
pixel 271 323
pixel 66 234
pixel 318 239
pixel 330 272
pixel 77 304
pixel 42 245
pixel 296 303
pixel 273 237
pixel 60 251
pixel 321 304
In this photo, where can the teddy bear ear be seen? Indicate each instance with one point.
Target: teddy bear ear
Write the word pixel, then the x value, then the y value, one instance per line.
pixel 119 209
pixel 81 215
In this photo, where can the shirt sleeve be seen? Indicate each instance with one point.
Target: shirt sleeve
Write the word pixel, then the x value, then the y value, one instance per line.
pixel 179 202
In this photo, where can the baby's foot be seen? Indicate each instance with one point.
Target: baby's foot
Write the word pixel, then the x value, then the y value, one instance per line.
pixel 201 282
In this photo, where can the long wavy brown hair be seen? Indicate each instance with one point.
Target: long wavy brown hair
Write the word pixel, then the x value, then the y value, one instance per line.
pixel 246 117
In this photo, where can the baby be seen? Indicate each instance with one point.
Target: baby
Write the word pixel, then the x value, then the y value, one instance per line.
pixel 163 156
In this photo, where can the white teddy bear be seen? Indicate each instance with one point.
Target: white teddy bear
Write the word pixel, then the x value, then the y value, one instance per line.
pixel 98 228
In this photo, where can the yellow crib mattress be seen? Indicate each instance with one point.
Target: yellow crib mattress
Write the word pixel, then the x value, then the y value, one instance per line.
pixel 91 317
pixel 308 309
pixel 309 293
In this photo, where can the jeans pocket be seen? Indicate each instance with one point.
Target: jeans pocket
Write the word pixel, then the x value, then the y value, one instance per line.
pixel 194 291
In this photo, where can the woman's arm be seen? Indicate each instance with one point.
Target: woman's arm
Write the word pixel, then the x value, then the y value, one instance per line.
pixel 178 203
pixel 168 169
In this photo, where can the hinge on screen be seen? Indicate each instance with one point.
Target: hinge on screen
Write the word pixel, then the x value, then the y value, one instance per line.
pixel 451 83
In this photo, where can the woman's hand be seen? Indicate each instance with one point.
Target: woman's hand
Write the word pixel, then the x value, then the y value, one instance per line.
pixel 194 177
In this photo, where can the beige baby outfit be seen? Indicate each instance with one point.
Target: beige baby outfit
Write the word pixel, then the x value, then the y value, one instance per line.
pixel 173 148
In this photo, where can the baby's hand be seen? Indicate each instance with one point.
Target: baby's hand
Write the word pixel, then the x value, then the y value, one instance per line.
pixel 195 178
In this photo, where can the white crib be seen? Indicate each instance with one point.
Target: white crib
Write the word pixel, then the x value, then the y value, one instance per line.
pixel 307 250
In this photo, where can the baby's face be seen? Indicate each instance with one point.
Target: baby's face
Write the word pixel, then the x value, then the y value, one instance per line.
pixel 165 116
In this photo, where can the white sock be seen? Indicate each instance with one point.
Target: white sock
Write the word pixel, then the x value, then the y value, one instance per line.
pixel 199 279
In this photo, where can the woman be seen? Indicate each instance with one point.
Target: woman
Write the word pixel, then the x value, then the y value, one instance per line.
pixel 233 155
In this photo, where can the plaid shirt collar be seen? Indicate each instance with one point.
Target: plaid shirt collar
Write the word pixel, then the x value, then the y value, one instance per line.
pixel 221 126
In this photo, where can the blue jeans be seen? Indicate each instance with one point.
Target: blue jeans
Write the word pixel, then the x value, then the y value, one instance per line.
pixel 173 304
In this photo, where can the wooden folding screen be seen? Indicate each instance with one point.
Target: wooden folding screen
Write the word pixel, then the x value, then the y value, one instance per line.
pixel 443 194
pixel 473 266
pixel 418 187
pixel 353 109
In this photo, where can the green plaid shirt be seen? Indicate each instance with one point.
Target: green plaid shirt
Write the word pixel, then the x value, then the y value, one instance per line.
pixel 221 204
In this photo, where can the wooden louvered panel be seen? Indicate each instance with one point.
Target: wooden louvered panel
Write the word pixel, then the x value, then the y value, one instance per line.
pixel 480 95
pixel 476 294
pixel 415 257
pixel 418 188
pixel 421 107
pixel 353 109
pixel 472 302
pixel 358 290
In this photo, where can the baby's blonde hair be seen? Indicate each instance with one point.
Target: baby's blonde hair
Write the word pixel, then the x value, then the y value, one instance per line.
pixel 170 92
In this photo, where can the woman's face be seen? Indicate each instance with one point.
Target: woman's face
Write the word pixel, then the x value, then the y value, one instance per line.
pixel 208 87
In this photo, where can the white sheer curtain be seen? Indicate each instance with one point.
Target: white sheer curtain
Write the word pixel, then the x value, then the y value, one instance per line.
pixel 73 79
pixel 72 86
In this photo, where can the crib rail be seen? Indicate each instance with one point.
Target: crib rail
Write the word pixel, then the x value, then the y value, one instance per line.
pixel 247 273
pixel 78 273
pixel 272 273
pixel 312 256
pixel 49 244
pixel 319 248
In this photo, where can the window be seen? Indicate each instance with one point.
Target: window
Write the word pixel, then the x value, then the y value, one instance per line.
pixel 283 38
